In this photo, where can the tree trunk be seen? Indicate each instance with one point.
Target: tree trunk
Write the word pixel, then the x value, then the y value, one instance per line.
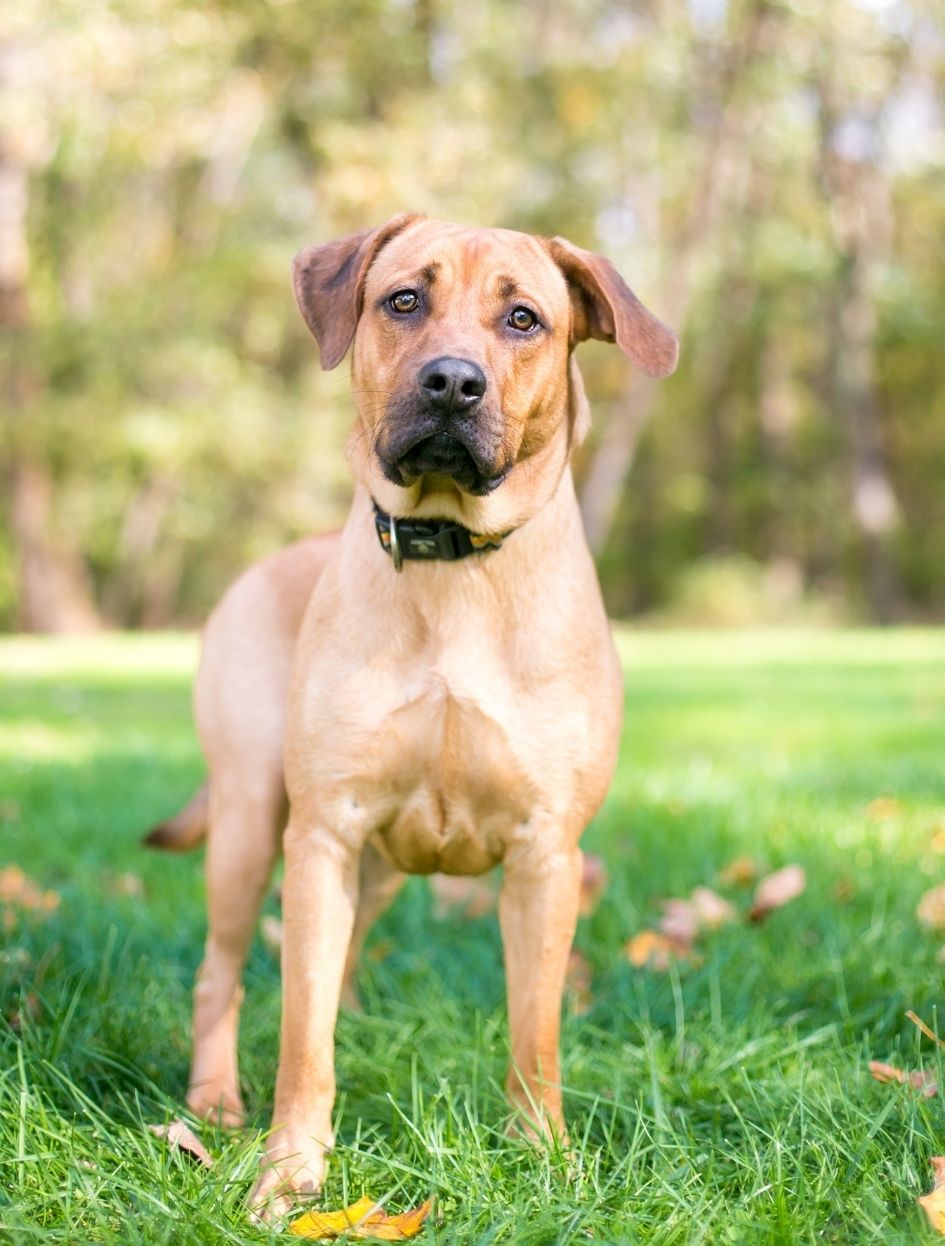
pixel 721 176
pixel 857 202
pixel 53 587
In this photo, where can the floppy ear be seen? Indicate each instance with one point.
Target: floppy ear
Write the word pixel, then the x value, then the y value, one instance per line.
pixel 329 285
pixel 606 308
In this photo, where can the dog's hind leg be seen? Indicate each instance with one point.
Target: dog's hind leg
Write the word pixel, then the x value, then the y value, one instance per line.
pixel 242 846
pixel 379 884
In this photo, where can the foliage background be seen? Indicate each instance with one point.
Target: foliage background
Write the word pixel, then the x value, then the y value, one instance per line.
pixel 770 176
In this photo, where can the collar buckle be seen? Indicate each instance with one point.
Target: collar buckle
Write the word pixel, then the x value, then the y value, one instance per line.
pixel 395 551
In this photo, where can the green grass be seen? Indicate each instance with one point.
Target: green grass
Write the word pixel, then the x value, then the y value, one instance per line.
pixel 722 1103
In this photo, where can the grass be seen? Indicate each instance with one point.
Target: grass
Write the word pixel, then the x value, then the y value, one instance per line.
pixel 723 1103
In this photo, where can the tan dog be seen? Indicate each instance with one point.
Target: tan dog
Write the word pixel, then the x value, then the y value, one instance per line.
pixel 439 715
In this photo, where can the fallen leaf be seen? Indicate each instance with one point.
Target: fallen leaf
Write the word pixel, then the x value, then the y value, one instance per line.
pixel 921 1080
pixel 577 983
pixel 711 910
pixel 933 1203
pixel 363 1219
pixel 931 908
pixel 332 1223
pixel 776 890
pixel 180 1137
pixel 653 950
pixel 680 921
pixel 883 808
pixel 594 879
pixel 130 885
pixel 464 897
pixel 19 891
pixel 741 872
pixel 270 930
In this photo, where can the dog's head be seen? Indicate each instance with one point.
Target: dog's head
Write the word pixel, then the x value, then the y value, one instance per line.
pixel 462 374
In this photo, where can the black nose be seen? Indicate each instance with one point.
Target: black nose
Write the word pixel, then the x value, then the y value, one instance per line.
pixel 451 385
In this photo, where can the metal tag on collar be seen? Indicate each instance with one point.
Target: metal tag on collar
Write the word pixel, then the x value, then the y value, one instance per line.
pixel 395 551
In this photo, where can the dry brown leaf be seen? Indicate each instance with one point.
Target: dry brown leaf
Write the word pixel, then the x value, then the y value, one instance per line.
pixel 741 872
pixel 180 1137
pixel 18 891
pixel 931 908
pixel 594 879
pixel 462 897
pixel 883 808
pixel 711 910
pixel 921 1080
pixel 680 921
pixel 270 931
pixel 933 1203
pixel 654 950
pixel 363 1219
pixel 577 983
pixel 776 890
pixel 683 920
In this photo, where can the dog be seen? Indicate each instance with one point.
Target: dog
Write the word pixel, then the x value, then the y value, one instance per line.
pixel 434 688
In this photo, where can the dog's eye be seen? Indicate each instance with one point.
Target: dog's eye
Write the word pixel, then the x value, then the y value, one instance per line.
pixel 522 319
pixel 404 301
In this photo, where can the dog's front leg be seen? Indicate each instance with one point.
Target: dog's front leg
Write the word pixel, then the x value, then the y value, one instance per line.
pixel 319 899
pixel 538 912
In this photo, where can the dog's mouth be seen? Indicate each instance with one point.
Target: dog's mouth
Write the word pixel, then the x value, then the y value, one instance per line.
pixel 442 454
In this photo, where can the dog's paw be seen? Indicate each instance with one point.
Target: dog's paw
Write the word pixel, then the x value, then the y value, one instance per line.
pixel 218 1103
pixel 294 1165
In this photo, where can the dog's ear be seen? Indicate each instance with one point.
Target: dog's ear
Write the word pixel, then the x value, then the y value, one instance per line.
pixel 606 308
pixel 329 285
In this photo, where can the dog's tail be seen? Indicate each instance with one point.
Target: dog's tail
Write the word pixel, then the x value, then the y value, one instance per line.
pixel 186 829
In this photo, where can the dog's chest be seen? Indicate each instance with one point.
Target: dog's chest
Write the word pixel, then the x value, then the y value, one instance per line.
pixel 444 787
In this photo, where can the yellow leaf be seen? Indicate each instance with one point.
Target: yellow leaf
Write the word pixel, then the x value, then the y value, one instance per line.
pixel 739 873
pixel 883 808
pixel 363 1219
pixel 931 910
pixel 396 1228
pixel 331 1223
pixel 933 1203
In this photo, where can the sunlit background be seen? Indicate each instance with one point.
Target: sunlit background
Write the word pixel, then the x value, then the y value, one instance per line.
pixel 769 176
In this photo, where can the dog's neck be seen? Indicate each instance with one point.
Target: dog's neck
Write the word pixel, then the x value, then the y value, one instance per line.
pixel 527 489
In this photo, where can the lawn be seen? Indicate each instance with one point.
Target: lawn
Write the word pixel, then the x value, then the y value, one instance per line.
pixel 722 1102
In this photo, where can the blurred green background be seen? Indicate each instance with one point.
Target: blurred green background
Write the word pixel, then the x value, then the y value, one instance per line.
pixel 769 176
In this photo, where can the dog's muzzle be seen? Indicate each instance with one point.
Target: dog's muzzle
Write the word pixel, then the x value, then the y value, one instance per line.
pixel 443 428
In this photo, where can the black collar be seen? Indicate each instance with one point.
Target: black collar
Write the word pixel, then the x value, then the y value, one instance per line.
pixel 429 540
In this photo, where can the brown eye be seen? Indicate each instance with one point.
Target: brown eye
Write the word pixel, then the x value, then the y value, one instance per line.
pixel 404 301
pixel 522 319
